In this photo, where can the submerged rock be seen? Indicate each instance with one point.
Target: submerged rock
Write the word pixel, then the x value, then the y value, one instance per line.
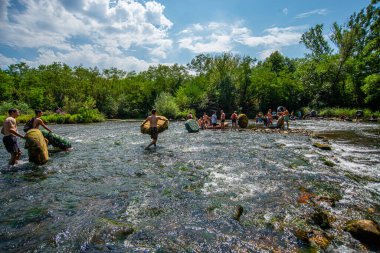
pixel 366 231
pixel 322 146
pixel 321 218
pixel 238 212
pixel 313 237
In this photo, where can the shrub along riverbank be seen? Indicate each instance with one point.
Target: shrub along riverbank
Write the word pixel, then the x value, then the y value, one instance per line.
pixel 87 117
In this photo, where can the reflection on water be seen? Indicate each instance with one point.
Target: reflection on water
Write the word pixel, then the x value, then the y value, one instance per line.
pixel 109 194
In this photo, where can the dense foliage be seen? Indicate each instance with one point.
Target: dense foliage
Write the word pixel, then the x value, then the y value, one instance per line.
pixel 349 77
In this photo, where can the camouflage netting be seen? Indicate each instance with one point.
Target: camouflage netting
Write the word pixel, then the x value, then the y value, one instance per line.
pixel 192 126
pixel 37 147
pixel 243 121
pixel 162 125
pixel 56 140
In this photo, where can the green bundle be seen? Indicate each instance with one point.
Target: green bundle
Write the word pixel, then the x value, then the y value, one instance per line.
pixel 56 140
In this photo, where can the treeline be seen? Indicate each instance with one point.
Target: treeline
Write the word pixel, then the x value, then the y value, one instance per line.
pixel 349 77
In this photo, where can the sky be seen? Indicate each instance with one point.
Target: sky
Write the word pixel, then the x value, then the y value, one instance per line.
pixel 134 34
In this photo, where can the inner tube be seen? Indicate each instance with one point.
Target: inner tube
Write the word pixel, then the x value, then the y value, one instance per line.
pixel 192 126
pixel 242 121
pixel 56 140
pixel 280 109
pixel 36 145
pixel 162 125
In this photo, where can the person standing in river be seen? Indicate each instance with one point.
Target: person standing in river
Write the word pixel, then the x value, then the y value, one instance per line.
pixel 222 119
pixel 214 120
pixel 36 122
pixel 286 118
pixel 234 117
pixel 153 127
pixel 10 133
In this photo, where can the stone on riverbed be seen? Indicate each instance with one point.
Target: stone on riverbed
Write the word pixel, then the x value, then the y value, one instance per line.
pixel 238 212
pixel 322 146
pixel 366 231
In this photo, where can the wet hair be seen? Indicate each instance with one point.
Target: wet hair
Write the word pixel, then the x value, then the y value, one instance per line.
pixel 12 110
pixel 37 111
pixel 154 111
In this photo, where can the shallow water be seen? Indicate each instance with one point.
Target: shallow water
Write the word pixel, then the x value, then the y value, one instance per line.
pixel 182 196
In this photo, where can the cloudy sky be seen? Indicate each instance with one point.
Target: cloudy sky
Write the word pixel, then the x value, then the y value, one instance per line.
pixel 134 34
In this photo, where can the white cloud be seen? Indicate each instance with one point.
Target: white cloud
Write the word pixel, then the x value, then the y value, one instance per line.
pixel 5 61
pixel 267 52
pixel 64 28
pixel 220 37
pixel 313 12
pixel 285 11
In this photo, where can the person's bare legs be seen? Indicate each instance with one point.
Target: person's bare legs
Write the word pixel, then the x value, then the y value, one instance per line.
pixel 154 141
pixel 14 157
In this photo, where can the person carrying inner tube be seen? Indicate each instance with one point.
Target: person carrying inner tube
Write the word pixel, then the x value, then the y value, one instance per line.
pixel 153 127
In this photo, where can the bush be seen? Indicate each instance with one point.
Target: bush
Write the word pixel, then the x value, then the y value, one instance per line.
pixel 165 105
pixel 23 107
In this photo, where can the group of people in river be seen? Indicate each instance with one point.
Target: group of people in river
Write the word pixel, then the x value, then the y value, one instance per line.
pixel 206 121
pixel 282 116
pixel 10 132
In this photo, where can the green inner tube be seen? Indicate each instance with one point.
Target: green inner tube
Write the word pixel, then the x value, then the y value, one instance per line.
pixel 192 126
pixel 56 140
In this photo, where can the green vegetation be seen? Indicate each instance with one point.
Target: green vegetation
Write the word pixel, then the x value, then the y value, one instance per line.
pixel 345 78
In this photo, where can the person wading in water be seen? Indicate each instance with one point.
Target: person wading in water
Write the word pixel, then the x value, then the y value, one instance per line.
pixel 153 127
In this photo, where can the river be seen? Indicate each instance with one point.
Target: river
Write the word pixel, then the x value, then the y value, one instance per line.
pixel 110 195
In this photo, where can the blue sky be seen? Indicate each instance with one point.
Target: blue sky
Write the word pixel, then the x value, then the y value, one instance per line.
pixel 134 34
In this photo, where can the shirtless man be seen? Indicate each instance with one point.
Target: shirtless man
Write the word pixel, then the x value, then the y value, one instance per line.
pixel 222 119
pixel 9 131
pixel 206 119
pixel 38 121
pixel 153 127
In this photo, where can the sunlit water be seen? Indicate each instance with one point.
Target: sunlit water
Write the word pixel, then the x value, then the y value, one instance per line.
pixel 181 196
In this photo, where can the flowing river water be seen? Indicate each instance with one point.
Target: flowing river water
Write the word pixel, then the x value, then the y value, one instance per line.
pixel 212 191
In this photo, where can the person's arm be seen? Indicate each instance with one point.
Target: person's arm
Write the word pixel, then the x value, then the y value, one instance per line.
pixel 145 121
pixel 12 131
pixel 44 126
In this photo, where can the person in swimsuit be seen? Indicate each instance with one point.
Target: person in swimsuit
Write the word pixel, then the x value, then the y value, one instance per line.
pixel 9 130
pixel 286 117
pixel 269 117
pixel 153 127
pixel 234 120
pixel 222 119
pixel 190 116
pixel 206 119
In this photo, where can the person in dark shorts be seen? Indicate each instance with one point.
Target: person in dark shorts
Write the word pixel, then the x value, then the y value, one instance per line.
pixel 153 127
pixel 222 119
pixel 9 130
pixel 234 117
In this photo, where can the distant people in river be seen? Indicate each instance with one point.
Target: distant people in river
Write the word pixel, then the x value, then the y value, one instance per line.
pixel 206 120
pixel 286 118
pixel 9 130
pixel 222 119
pixel 214 120
pixel 36 122
pixel 153 118
pixel 269 117
pixel 190 116
pixel 234 117
pixel 292 117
